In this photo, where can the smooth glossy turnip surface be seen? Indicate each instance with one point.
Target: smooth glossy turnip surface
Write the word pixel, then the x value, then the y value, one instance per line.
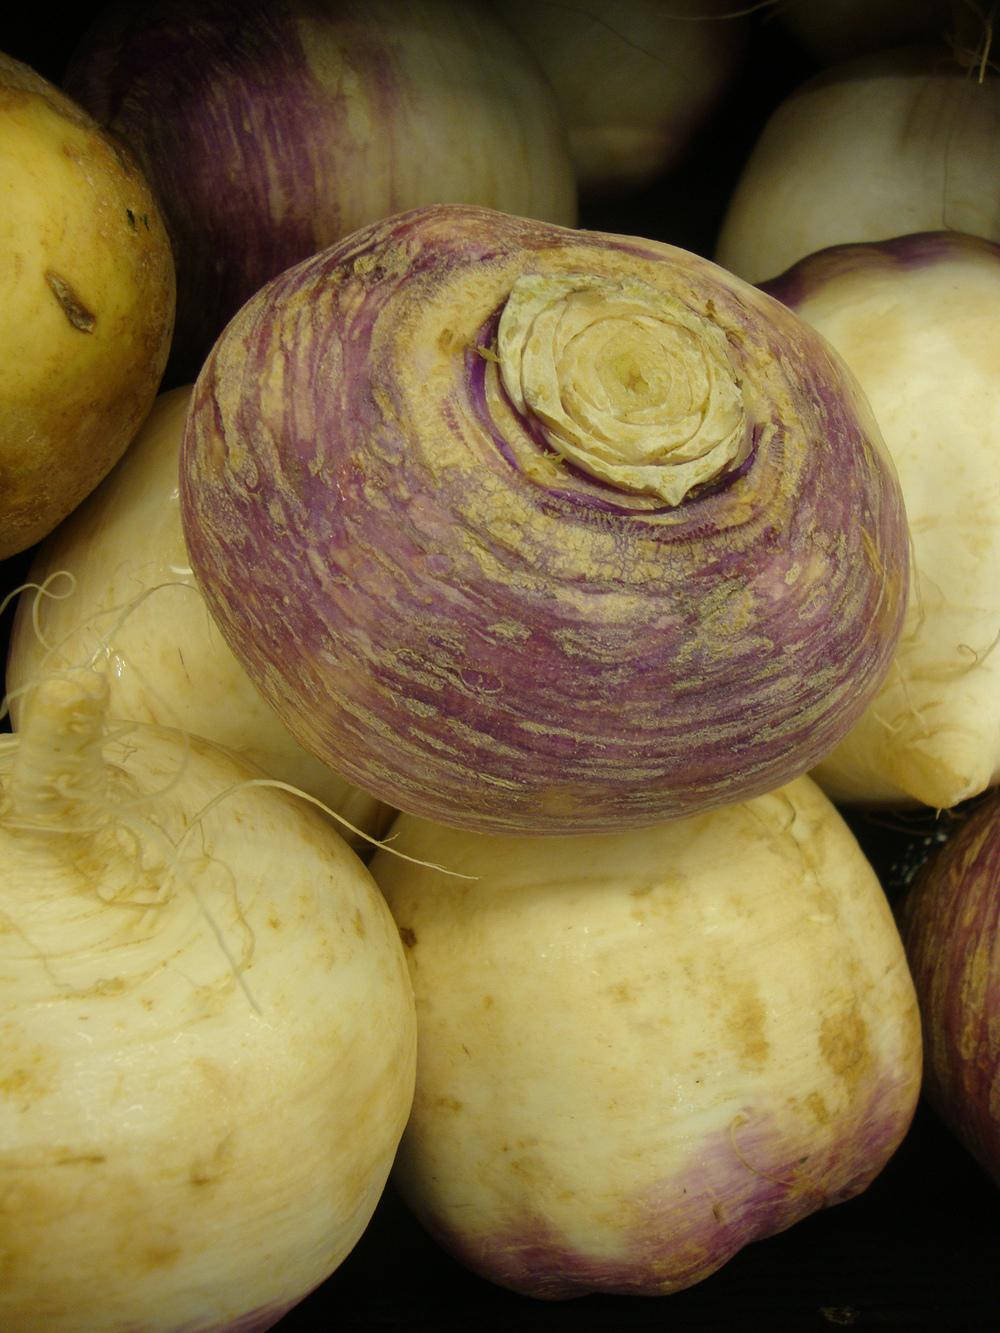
pixel 113 584
pixel 540 530
pixel 207 1031
pixel 900 141
pixel 637 1054
pixel 951 928
pixel 917 319
pixel 272 127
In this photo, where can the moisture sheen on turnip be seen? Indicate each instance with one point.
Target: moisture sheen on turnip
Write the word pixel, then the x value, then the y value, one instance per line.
pixel 531 529
pixel 638 1053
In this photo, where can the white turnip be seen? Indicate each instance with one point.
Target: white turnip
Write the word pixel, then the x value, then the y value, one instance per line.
pixel 917 320
pixel 207 1034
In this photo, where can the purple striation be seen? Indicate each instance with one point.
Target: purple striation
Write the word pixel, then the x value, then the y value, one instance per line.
pixel 371 550
pixel 270 128
pixel 950 924
pixel 191 87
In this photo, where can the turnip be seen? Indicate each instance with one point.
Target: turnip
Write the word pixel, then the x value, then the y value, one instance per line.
pixel 918 320
pixel 272 127
pixel 951 927
pixel 207 1037
pixel 634 79
pixel 901 141
pixel 86 304
pixel 638 1053
pixel 113 584
pixel 532 529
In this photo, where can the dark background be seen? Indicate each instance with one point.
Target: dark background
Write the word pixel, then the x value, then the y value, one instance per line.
pixel 920 1249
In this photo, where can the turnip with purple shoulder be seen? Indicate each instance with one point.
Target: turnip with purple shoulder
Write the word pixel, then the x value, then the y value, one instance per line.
pixel 531 529
pixel 917 320
pixel 273 127
pixel 640 1052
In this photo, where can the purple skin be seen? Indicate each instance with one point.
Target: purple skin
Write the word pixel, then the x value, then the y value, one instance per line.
pixel 189 84
pixel 950 923
pixel 495 700
pixel 919 249
pixel 745 1185
pixel 259 161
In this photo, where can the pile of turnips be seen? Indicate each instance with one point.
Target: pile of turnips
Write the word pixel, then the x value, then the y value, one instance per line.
pixel 451 645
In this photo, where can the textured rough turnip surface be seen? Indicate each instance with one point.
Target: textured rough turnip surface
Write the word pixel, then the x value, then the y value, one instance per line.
pixel 639 1053
pixel 470 625
pixel 951 927
pixel 272 127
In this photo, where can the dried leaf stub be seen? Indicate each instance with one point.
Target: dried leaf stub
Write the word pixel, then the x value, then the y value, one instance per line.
pixel 630 385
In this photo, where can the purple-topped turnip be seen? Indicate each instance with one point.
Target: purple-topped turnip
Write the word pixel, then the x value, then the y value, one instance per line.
pixel 272 127
pixel 541 530
pixel 951 928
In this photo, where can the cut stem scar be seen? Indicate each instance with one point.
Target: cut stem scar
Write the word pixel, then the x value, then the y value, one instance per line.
pixel 72 307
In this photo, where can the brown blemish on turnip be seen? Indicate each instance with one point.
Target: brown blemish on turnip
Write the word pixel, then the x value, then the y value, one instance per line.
pixel 843 1044
pixel 408 936
pixel 72 306
pixel 746 1025
pixel 818 1107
